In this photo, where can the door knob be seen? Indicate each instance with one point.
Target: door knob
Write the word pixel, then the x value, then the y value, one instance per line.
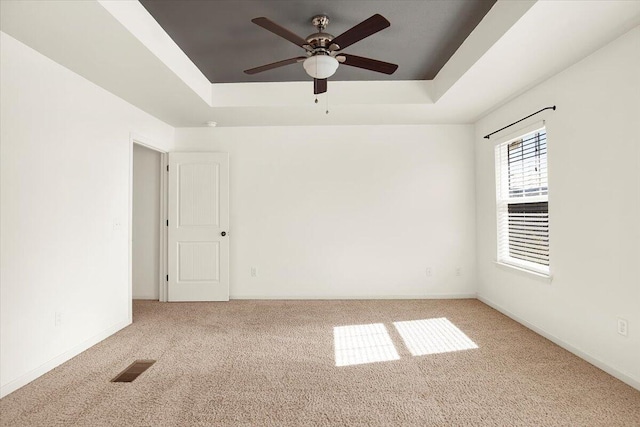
pixel 224 233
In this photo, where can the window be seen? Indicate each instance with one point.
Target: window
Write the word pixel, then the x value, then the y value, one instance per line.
pixel 522 202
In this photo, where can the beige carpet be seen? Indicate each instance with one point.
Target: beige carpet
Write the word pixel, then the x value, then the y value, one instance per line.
pixel 273 363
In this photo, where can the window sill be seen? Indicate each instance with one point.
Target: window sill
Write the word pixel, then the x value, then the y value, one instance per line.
pixel 546 278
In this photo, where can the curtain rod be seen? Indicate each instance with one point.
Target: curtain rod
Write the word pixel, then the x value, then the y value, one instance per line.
pixel 525 118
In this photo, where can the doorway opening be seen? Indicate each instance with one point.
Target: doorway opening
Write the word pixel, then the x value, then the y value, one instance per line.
pixel 148 214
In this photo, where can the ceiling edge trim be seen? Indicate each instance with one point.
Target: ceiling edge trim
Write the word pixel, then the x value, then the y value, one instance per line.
pixel 502 16
pixel 340 93
pixel 139 22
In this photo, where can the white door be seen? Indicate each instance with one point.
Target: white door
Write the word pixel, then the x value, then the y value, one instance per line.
pixel 198 226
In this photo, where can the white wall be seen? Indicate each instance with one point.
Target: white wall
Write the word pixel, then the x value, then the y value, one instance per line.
pixel 146 222
pixel 346 212
pixel 65 200
pixel 594 205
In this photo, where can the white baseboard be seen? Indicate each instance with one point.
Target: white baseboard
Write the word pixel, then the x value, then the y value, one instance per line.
pixel 347 297
pixel 58 360
pixel 626 378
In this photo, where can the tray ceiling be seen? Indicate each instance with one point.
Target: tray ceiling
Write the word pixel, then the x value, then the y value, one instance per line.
pixel 221 40
pixel 119 46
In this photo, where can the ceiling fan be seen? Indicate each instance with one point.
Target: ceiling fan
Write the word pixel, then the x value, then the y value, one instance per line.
pixel 323 51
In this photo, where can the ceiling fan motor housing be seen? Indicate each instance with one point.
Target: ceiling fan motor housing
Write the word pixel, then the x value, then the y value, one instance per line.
pixel 320 40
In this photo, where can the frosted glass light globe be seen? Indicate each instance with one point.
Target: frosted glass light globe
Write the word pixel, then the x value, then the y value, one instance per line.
pixel 320 66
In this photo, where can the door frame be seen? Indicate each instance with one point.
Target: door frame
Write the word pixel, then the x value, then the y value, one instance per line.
pixel 138 139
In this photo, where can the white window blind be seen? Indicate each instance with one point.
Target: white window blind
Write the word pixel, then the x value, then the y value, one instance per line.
pixel 522 201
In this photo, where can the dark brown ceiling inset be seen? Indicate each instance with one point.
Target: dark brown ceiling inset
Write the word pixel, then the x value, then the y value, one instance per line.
pixel 220 39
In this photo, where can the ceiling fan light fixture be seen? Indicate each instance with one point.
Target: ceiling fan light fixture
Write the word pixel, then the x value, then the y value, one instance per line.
pixel 324 52
pixel 320 66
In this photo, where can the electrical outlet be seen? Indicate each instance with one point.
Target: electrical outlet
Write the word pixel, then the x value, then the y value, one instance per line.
pixel 254 271
pixel 58 319
pixel 623 327
pixel 458 271
pixel 429 272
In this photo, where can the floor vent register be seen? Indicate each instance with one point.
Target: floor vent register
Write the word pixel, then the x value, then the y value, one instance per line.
pixel 133 371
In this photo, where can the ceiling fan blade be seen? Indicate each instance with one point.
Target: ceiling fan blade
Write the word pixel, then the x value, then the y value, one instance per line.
pixel 269 25
pixel 275 65
pixel 367 63
pixel 319 86
pixel 364 29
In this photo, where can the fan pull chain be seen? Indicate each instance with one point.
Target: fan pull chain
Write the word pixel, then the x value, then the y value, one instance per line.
pixel 327 98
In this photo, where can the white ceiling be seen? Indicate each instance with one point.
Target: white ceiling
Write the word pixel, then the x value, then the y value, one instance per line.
pixel 118 46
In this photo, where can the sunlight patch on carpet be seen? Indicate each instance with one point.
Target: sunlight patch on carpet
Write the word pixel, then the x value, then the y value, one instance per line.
pixel 358 344
pixel 432 336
